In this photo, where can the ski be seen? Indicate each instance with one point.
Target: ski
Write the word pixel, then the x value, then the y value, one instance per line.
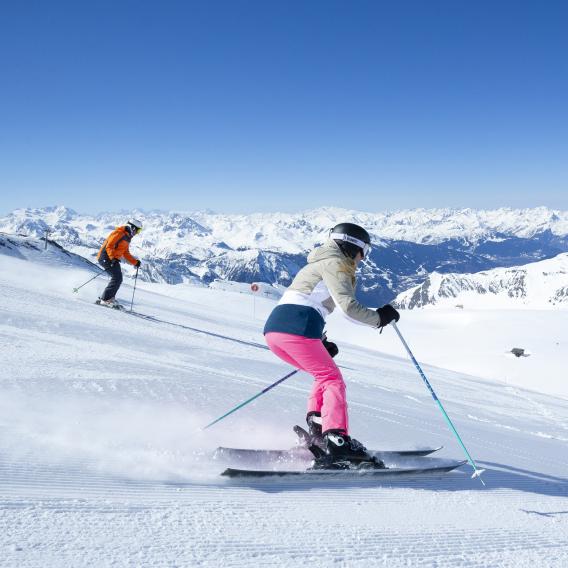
pixel 347 473
pixel 121 308
pixel 300 453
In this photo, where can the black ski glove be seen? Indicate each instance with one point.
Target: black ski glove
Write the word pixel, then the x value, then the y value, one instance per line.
pixel 331 347
pixel 387 314
pixel 137 264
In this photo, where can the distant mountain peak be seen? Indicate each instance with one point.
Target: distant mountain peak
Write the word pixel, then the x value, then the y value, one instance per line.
pixel 179 246
pixel 538 284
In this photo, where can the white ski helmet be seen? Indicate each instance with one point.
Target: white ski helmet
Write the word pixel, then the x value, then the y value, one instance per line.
pixel 135 225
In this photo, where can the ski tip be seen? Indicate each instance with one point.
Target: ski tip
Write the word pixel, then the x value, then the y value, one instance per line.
pixel 425 451
pixel 430 449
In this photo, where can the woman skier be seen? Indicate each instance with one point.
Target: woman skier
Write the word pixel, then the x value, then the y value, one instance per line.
pixel 115 247
pixel 294 332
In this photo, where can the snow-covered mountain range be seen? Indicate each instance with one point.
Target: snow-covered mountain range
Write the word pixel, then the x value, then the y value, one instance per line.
pixel 271 247
pixel 538 284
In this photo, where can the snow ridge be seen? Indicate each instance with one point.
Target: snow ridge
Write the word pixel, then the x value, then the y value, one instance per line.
pixel 539 284
pixel 298 232
pixel 201 246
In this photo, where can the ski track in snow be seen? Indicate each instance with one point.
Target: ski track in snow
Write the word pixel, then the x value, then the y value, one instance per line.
pixel 102 462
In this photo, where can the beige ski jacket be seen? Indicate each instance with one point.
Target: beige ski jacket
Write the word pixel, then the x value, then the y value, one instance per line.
pixel 327 281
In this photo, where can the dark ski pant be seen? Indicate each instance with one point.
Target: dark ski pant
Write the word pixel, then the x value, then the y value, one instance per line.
pixel 115 273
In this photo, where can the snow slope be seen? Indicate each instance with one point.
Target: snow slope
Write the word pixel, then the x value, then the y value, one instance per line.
pixel 478 342
pixel 102 462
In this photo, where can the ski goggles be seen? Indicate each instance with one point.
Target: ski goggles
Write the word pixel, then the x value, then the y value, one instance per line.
pixel 137 230
pixel 365 247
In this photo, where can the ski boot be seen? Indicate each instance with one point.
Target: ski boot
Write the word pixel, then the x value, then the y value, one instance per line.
pixel 343 452
pixel 313 436
pixel 110 303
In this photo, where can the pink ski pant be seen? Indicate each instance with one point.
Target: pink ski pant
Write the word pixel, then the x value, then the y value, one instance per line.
pixel 328 391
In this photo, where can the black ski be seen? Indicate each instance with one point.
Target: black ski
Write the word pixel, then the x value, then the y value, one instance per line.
pixel 348 473
pixel 302 453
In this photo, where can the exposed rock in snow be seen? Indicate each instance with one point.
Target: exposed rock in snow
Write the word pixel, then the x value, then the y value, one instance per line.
pixel 177 247
pixel 539 284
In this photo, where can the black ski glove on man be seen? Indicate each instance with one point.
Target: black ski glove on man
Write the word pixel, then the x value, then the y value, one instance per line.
pixel 138 263
pixel 331 347
pixel 387 314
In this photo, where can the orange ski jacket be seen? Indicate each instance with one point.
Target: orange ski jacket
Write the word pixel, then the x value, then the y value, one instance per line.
pixel 117 246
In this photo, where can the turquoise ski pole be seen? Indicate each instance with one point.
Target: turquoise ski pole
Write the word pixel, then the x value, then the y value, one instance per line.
pixel 250 399
pixel 476 471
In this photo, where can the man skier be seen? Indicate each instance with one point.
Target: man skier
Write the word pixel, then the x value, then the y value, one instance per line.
pixel 294 332
pixel 114 248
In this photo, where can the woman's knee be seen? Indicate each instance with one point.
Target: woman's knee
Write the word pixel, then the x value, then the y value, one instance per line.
pixel 331 376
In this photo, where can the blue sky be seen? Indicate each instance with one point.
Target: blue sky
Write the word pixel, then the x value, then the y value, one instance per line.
pixel 241 106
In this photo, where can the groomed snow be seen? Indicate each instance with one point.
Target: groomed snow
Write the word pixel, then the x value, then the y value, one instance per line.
pixel 102 462
pixel 478 342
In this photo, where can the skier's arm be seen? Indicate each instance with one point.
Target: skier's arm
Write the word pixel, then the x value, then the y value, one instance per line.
pixel 341 288
pixel 123 246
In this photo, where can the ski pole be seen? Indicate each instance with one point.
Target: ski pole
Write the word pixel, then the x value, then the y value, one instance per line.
pixel 476 472
pixel 90 279
pixel 133 291
pixel 250 399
